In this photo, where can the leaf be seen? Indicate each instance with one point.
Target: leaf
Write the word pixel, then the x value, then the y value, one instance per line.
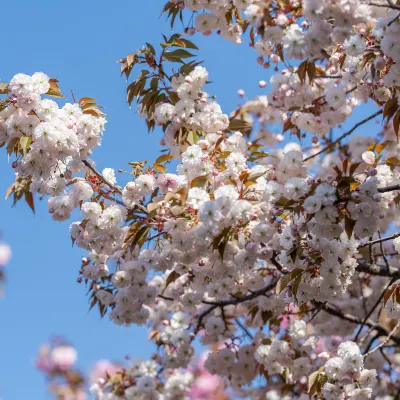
pixel 311 71
pixel 240 125
pixel 163 158
pixel 396 124
pixel 30 201
pixel 388 294
pixel 54 90
pixel 354 186
pixel 140 237
pixel 172 277
pixel 86 100
pixel 349 226
pixel 380 147
pixel 25 142
pixel 193 137
pixel 9 191
pixel 312 380
pixel 4 104
pixel 189 44
pixel 199 181
pixel 177 55
pixel 130 59
pixel 4 88
pixel 160 168
pixel 295 286
pixel 282 284
pixel 286 279
pixel 390 108
pixel 353 168
pixel 151 48
pixel 301 71
pixel 133 229
pixel 393 161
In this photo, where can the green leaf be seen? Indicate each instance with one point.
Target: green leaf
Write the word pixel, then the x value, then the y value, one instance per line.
pixel 177 55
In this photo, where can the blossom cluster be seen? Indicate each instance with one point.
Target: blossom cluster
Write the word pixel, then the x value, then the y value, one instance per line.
pixel 58 139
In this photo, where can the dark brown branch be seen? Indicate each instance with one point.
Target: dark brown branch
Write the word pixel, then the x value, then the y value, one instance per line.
pixel 389 188
pixel 235 301
pixel 339 139
pixel 390 5
pixel 380 270
pixel 351 318
pixel 372 242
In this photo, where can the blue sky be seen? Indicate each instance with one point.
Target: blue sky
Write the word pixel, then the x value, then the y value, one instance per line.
pixel 79 42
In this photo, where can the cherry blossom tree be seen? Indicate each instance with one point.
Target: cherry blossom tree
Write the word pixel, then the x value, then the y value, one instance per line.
pixel 268 234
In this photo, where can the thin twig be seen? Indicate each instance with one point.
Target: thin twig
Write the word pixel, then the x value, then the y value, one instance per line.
pixel 329 146
pixel 111 186
pixel 244 329
pixel 99 175
pixel 373 309
pixel 383 253
pixel 388 337
pixel 375 337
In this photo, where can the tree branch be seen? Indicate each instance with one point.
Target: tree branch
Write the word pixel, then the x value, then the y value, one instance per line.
pixel 373 308
pixel 351 318
pixel 245 330
pixel 388 337
pixel 99 175
pixel 372 242
pixel 111 186
pixel 389 188
pixel 380 270
pixel 329 146
pixel 234 301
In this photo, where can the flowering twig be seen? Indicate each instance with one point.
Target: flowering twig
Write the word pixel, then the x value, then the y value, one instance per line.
pixel 99 175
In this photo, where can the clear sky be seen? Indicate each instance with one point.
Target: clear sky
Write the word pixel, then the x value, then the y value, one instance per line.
pixel 79 41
